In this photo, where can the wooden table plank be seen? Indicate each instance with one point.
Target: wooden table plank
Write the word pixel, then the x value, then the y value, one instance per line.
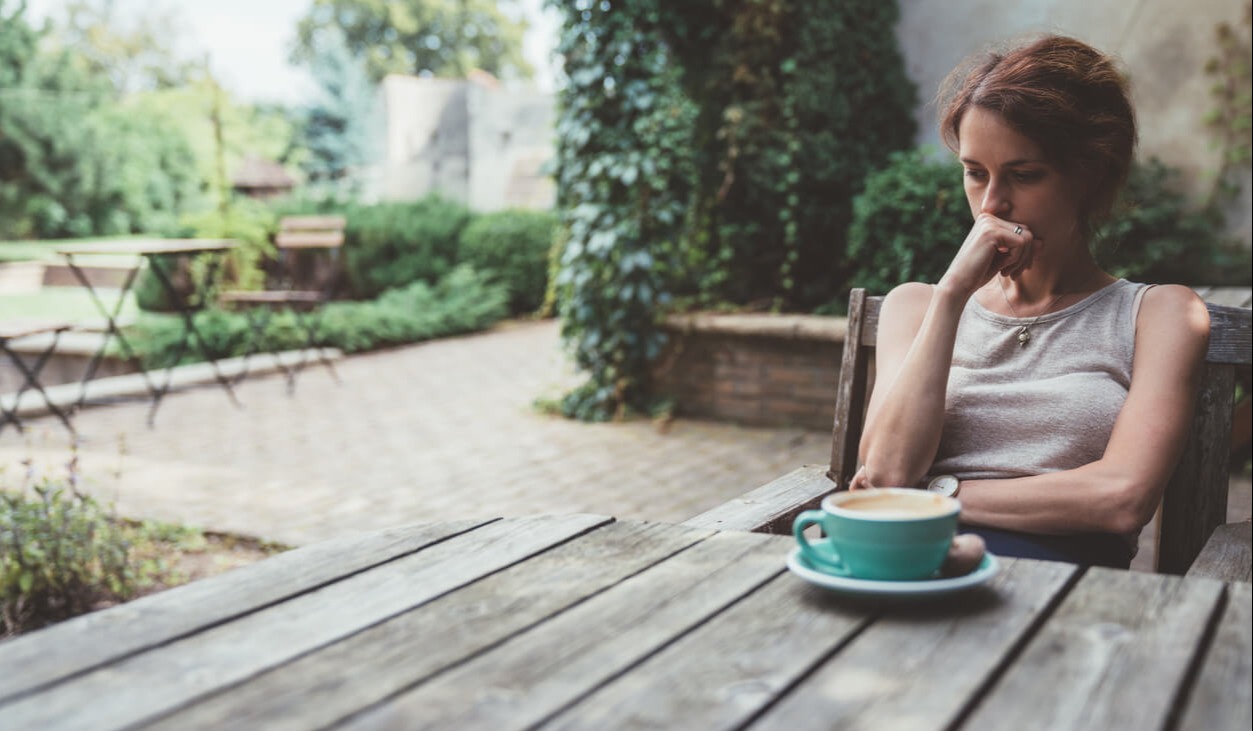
pixel 330 684
pixel 545 669
pixel 724 672
pixel 771 507
pixel 160 681
pixel 80 644
pixel 1115 655
pixel 1223 696
pixel 918 666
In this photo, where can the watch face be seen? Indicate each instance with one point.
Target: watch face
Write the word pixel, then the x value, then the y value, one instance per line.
pixel 944 484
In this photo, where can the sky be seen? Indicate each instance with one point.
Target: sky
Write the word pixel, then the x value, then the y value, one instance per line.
pixel 248 41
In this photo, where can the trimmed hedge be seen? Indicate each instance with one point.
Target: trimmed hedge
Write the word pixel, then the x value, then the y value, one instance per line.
pixel 463 301
pixel 513 246
pixel 390 245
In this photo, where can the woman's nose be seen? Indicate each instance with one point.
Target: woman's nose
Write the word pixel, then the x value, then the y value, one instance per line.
pixel 995 199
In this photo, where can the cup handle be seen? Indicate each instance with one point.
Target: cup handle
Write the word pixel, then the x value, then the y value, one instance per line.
pixel 803 521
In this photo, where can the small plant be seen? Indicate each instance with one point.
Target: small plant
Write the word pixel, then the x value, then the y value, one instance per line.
pixel 61 553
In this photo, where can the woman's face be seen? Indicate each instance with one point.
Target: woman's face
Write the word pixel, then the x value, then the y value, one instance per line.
pixel 1008 176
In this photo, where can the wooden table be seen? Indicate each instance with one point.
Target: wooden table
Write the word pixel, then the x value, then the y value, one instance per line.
pixel 149 250
pixel 583 622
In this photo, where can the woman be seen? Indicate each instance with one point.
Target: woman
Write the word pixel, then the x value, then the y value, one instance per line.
pixel 1057 395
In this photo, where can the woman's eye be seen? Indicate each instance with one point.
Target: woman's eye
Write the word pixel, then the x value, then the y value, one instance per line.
pixel 1028 176
pixel 976 174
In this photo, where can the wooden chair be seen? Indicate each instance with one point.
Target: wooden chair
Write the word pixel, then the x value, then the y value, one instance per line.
pixel 1195 502
pixel 308 270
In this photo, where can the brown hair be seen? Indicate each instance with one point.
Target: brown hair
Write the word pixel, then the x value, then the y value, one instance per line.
pixel 1060 93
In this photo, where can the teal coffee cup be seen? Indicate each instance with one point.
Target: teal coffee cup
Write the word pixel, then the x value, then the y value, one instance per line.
pixel 887 533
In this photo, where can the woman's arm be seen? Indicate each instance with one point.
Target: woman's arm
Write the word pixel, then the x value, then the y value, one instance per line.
pixel 1119 492
pixel 917 328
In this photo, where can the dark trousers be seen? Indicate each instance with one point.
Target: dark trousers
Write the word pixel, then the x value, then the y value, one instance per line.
pixel 1088 549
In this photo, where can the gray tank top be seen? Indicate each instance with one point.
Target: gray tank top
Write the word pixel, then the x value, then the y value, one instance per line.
pixel 1014 411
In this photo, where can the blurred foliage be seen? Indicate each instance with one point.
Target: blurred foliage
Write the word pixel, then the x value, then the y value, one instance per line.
pixel 73 160
pixel 913 216
pixel 95 139
pixel 624 182
pixel 1157 234
pixel 336 128
pixel 390 245
pixel 798 102
pixel 428 37
pixel 61 552
pixel 710 151
pixel 1231 119
pixel 135 52
pixel 513 247
pixel 908 223
pixel 462 301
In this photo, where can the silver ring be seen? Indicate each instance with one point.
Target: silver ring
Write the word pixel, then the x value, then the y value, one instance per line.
pixel 1017 230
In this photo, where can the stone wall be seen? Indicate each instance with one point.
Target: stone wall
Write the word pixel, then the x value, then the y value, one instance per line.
pixel 756 370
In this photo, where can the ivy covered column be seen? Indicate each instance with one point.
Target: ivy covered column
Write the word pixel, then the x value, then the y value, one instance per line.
pixel 623 169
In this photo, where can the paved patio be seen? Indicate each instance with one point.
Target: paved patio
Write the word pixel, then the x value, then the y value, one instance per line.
pixel 436 431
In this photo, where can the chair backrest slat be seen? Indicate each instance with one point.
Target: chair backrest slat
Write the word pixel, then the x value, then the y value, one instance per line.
pixel 310 232
pixel 1195 500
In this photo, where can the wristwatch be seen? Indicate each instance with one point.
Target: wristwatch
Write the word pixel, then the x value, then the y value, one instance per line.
pixel 947 485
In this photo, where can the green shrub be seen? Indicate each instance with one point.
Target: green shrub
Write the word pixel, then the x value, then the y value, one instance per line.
pixel 1157 236
pixel 462 301
pixel 60 555
pixel 907 222
pixel 513 247
pixel 391 245
pixel 913 216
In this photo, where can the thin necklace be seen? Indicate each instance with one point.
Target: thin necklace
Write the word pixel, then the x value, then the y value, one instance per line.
pixel 1024 333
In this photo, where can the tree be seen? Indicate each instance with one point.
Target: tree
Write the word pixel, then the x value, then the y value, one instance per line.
pixel 336 128
pixel 432 37
pixel 73 160
pixel 136 53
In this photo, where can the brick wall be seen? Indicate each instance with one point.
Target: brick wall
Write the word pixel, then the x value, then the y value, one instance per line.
pixel 758 370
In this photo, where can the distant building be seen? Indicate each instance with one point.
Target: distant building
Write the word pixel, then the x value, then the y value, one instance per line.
pixel 262 179
pixel 476 141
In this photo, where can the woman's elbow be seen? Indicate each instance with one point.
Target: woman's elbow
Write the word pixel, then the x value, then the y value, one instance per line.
pixel 1131 507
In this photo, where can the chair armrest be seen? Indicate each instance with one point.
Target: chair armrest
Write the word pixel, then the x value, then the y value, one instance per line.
pixel 772 507
pixel 1228 554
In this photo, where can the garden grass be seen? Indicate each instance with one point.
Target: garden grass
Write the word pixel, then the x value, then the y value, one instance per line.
pixel 71 304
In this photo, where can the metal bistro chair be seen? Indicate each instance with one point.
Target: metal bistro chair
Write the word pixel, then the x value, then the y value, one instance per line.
pixel 1195 501
pixel 308 269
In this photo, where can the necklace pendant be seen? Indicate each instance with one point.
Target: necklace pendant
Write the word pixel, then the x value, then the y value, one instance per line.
pixel 1024 337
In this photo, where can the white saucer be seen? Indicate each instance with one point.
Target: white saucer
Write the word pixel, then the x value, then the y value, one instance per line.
pixel 798 565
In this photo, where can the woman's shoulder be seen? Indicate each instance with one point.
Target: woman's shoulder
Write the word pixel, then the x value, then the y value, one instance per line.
pixel 909 294
pixel 1174 313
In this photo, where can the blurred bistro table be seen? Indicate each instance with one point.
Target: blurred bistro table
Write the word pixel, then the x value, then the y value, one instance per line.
pixel 586 622
pixel 151 252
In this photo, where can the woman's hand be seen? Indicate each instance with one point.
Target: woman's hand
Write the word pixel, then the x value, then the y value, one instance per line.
pixel 993 246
